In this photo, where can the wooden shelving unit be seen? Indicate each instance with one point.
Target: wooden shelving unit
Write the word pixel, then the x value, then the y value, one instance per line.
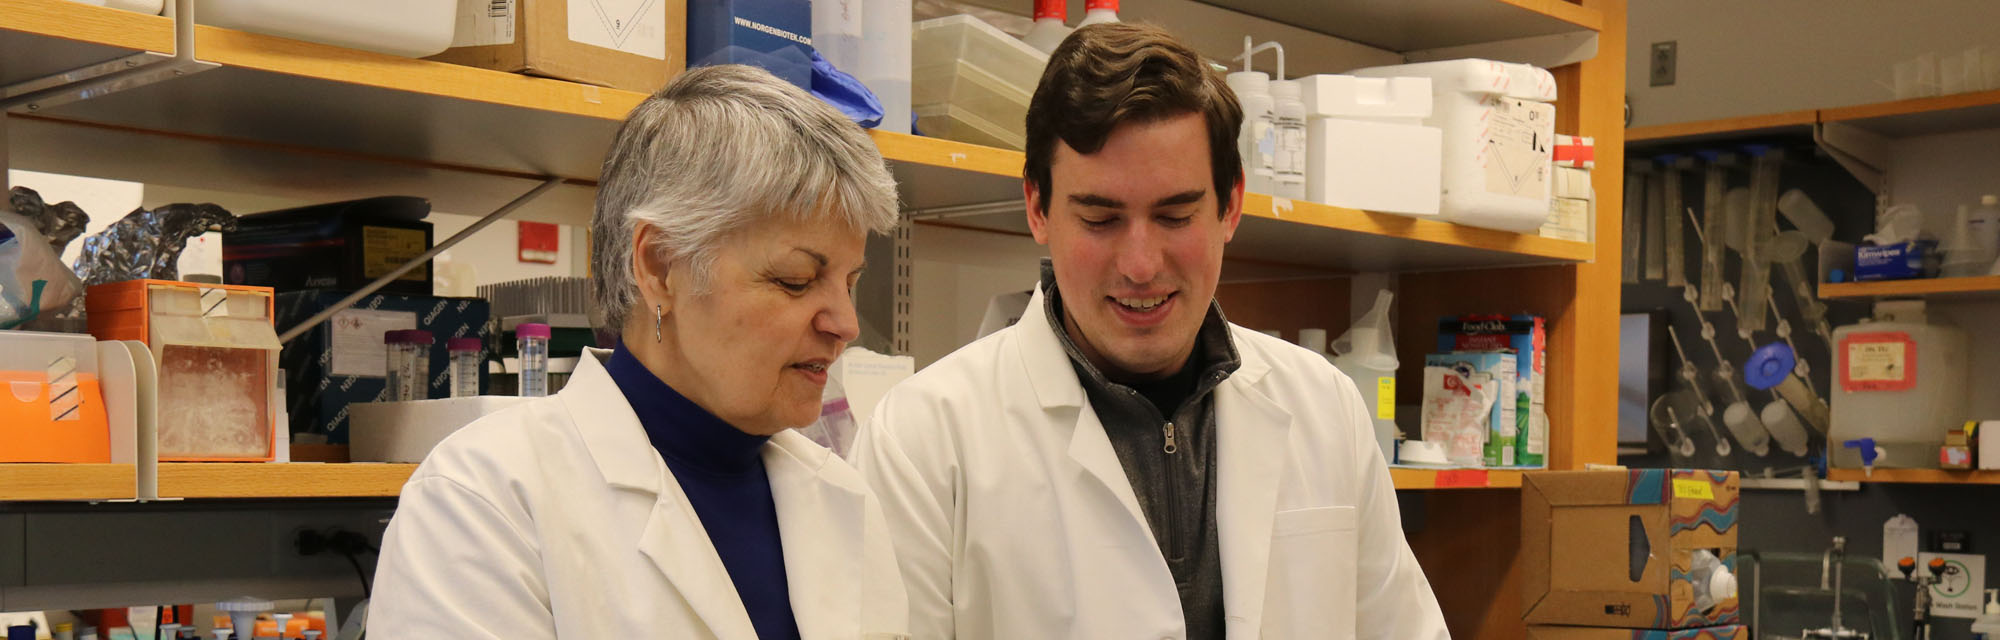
pixel 1407 478
pixel 66 482
pixel 1893 119
pixel 282 480
pixel 1979 287
pixel 1915 476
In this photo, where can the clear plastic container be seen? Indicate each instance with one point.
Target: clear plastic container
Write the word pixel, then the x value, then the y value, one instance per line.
pixel 533 349
pixel 837 32
pixel 409 364
pixel 886 52
pixel 1368 357
pixel 972 82
pixel 1289 121
pixel 1899 380
pixel 465 366
pixel 1258 141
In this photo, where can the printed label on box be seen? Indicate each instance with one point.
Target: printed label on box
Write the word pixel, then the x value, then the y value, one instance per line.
pixel 1884 361
pixel 637 27
pixel 385 248
pixel 483 23
pixel 1513 150
pixel 1693 488
pixel 358 349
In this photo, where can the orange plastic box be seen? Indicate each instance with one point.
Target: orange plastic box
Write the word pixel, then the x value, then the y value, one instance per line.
pixel 218 362
pixel 51 402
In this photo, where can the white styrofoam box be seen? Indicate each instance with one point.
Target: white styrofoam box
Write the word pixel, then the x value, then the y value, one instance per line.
pixel 1376 166
pixel 411 28
pixel 1499 131
pixel 407 431
pixel 1391 100
pixel 1571 183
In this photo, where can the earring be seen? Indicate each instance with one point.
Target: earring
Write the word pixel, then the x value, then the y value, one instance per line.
pixel 657 316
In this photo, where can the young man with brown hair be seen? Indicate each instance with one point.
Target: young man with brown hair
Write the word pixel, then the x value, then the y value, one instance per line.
pixel 1123 462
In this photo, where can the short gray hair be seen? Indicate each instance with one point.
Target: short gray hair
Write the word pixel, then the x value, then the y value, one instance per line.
pixel 718 150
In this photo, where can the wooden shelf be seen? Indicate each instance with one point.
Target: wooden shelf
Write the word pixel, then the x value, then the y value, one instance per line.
pixel 1411 25
pixel 1937 288
pixel 1915 476
pixel 1407 478
pixel 1791 122
pixel 1894 119
pixel 293 480
pixel 66 482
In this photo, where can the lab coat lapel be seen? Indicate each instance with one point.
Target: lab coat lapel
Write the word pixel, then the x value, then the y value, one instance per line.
pixel 673 537
pixel 822 561
pixel 1060 392
pixel 1251 436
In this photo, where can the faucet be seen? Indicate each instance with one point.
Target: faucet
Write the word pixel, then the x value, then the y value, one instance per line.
pixel 1831 576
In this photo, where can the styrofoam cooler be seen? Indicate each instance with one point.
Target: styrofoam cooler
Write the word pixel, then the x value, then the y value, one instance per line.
pixel 411 28
pixel 1498 126
pixel 1367 146
pixel 407 431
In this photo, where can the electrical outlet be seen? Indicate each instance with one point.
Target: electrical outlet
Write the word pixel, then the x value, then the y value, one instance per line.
pixel 1663 62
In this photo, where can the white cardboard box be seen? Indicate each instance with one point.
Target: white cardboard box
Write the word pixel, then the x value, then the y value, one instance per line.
pixel 1366 145
pixel 1499 138
pixel 407 431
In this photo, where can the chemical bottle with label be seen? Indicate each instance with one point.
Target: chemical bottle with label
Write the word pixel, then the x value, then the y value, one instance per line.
pixel 1288 112
pixel 1367 354
pixel 1049 30
pixel 1898 379
pixel 1258 141
pixel 1985 225
pixel 1098 12
pixel 1987 627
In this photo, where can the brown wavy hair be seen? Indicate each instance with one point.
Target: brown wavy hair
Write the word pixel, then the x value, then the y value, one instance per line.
pixel 1105 75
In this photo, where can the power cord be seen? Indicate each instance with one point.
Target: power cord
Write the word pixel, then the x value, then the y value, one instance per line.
pixel 340 541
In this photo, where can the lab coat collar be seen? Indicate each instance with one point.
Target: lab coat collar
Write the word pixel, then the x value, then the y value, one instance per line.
pixel 1055 383
pixel 828 557
pixel 611 432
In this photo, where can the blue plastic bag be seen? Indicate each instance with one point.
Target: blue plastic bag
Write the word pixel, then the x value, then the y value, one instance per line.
pixel 845 93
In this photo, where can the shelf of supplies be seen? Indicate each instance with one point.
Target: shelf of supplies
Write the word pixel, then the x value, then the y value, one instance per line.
pixel 1411 25
pixel 282 480
pixel 1790 122
pixel 1408 478
pixel 21 482
pixel 1936 288
pixel 1915 476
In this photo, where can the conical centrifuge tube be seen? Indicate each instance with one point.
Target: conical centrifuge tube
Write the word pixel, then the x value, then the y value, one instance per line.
pixel 1783 424
pixel 1772 368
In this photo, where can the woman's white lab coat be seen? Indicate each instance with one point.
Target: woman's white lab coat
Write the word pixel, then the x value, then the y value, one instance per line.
pixel 1014 519
pixel 559 519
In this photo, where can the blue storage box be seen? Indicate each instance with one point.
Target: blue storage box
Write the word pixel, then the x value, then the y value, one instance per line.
pixel 773 34
pixel 343 361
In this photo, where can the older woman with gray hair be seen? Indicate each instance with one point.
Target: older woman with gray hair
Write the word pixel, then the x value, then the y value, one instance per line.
pixel 663 492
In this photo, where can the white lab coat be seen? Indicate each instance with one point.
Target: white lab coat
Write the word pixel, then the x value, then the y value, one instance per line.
pixel 1014 519
pixel 557 518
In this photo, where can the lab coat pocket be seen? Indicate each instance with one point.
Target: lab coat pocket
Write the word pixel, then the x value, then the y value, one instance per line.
pixel 1311 590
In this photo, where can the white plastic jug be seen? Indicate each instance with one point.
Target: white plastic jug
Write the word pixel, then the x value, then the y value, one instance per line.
pixel 1367 354
pixel 1899 380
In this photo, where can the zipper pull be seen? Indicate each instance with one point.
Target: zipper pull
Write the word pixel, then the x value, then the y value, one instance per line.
pixel 1171 447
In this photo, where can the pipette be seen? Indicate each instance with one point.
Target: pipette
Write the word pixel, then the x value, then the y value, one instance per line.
pixel 1755 285
pixel 1712 205
pixel 1635 206
pixel 1656 227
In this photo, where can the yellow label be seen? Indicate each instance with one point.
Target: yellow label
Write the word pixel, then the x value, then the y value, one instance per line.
pixel 1693 488
pixel 384 248
pixel 1385 398
pixel 1877 362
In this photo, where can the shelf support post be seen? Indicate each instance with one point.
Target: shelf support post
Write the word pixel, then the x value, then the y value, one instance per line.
pixel 111 76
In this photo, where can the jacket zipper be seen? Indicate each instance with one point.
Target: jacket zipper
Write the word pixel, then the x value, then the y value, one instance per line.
pixel 1173 496
pixel 1171 447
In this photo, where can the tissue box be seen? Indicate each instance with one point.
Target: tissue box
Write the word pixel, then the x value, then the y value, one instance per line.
pixel 1615 548
pixel 343 361
pixel 575 40
pixel 773 34
pixel 1724 632
pixel 1901 261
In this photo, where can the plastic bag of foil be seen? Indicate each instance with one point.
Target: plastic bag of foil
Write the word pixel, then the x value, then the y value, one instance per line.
pixel 148 244
pixel 33 279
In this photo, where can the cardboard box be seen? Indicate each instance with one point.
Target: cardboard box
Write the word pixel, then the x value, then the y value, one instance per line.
pixel 343 360
pixel 1725 632
pixel 340 245
pixel 574 41
pixel 1895 262
pixel 773 34
pixel 1614 548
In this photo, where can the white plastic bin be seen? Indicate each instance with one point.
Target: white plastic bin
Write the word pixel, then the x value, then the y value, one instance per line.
pixel 972 82
pixel 1498 127
pixel 1367 146
pixel 1901 380
pixel 411 28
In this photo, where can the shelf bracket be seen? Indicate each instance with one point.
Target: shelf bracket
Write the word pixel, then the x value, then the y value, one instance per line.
pixel 111 76
pixel 1863 153
pixel 1547 52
